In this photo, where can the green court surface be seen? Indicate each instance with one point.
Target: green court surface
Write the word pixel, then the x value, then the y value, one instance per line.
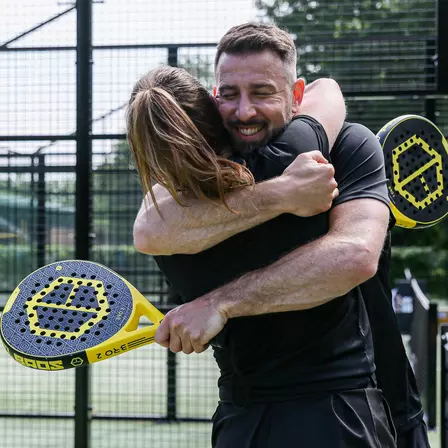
pixel 134 384
pixel 130 385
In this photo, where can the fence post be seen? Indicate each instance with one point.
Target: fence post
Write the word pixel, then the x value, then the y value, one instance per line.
pixel 442 47
pixel 171 401
pixel 173 57
pixel 433 330
pixel 430 79
pixel 171 365
pixel 83 192
pixel 41 225
pixel 443 386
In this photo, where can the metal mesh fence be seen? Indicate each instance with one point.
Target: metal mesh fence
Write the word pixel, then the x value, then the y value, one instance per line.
pixel 444 386
pixel 382 53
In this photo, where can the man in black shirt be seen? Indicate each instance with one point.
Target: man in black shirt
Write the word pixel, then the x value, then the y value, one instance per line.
pixel 318 339
pixel 280 355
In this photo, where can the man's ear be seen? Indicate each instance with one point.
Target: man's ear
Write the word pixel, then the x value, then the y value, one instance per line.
pixel 215 90
pixel 298 90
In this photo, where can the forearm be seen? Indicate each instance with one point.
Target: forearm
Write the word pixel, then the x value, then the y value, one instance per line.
pixel 317 272
pixel 305 278
pixel 203 224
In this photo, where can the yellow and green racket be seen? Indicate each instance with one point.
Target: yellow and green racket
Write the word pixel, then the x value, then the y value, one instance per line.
pixel 72 313
pixel 416 159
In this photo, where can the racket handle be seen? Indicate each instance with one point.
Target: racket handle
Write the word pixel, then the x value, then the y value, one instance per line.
pixel 123 342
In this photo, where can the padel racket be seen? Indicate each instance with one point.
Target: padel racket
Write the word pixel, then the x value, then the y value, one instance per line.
pixel 416 158
pixel 72 313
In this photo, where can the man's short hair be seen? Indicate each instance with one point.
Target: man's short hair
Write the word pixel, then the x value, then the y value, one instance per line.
pixel 257 37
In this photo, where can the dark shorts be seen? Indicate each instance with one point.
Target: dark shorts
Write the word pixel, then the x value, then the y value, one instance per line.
pixel 416 437
pixel 350 419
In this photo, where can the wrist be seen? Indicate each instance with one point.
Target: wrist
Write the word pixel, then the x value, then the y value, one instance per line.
pixel 218 299
pixel 280 188
pixel 270 196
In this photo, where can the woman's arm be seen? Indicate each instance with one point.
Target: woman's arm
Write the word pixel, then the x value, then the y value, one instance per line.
pixel 323 100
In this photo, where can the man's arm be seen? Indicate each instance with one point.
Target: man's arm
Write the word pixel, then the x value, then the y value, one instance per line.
pixel 307 277
pixel 313 274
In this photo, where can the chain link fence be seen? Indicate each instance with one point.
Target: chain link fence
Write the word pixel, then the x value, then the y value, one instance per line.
pixel 385 55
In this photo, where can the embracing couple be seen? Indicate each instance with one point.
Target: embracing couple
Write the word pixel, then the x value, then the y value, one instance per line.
pixel 268 215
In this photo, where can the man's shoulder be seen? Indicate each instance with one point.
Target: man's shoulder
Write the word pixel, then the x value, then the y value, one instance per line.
pixel 354 131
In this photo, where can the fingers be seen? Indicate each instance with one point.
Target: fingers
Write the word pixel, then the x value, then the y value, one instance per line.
pixel 175 343
pixel 317 156
pixel 335 193
pixel 198 346
pixel 330 169
pixel 162 336
pixel 189 327
pixel 187 348
pixel 326 168
pixel 170 335
pixel 186 344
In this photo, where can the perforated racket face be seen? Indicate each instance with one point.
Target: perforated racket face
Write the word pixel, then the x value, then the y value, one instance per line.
pixel 416 158
pixel 64 308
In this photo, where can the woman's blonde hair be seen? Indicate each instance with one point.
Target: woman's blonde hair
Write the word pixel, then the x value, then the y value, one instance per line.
pixel 178 140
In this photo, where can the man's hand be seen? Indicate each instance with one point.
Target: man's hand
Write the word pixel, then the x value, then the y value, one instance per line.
pixel 308 185
pixel 190 327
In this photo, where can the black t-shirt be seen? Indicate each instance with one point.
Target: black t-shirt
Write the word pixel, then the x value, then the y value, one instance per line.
pixel 394 373
pixel 280 355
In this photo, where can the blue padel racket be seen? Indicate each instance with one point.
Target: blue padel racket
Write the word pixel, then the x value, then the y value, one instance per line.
pixel 72 313
pixel 416 159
